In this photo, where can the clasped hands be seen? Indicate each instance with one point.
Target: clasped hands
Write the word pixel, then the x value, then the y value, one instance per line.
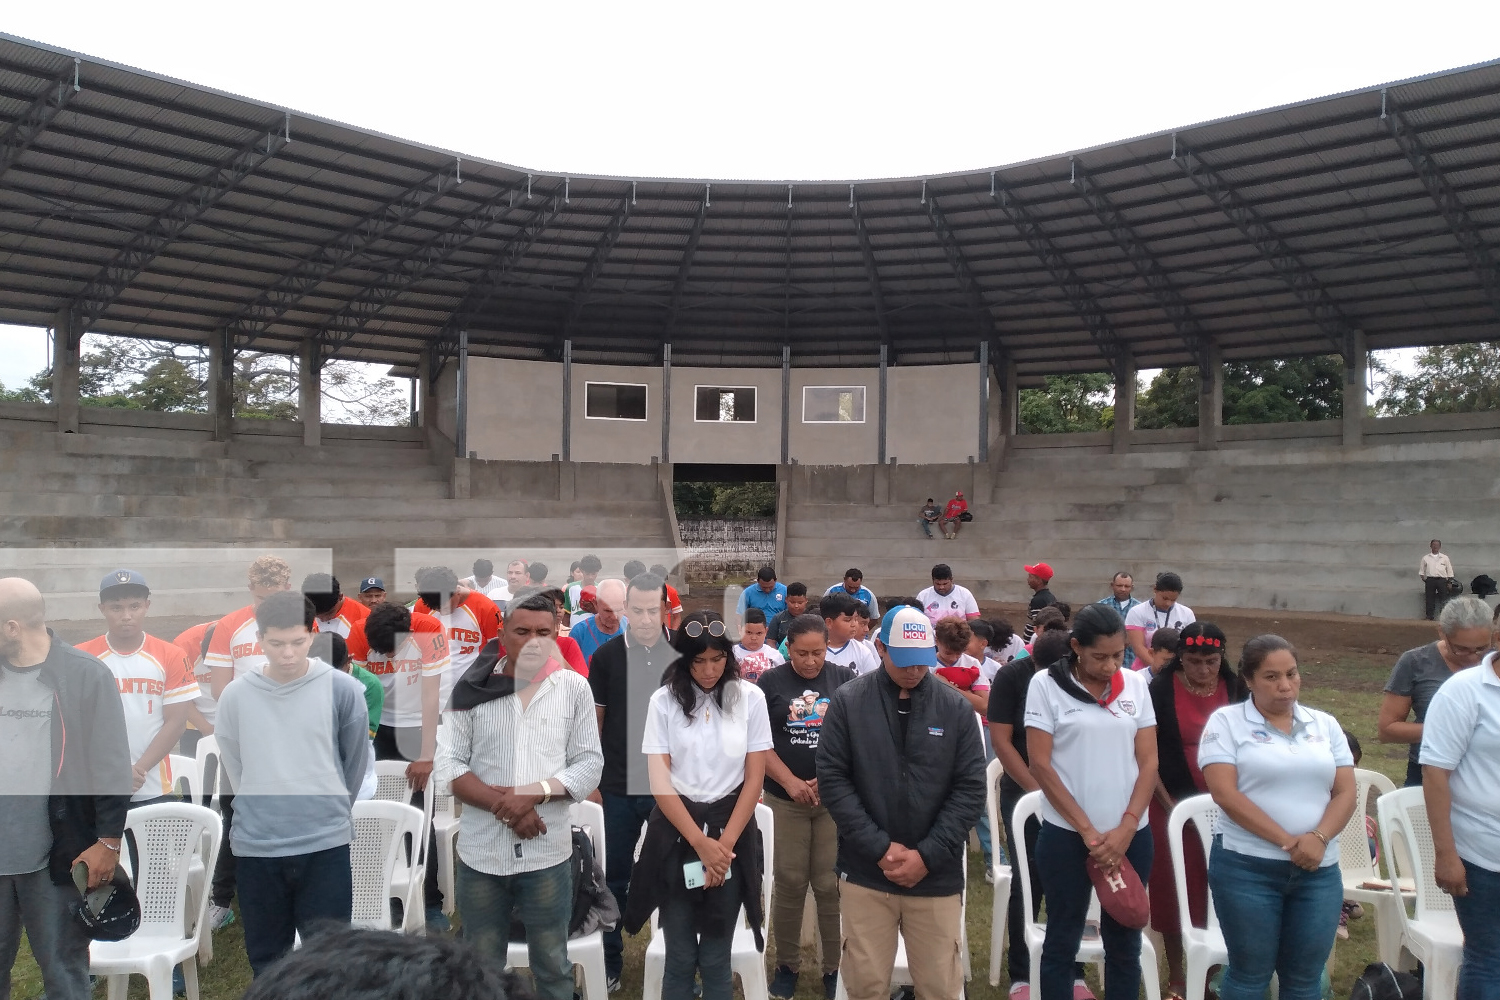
pixel 1108 849
pixel 716 856
pixel 903 865
pixel 517 811
pixel 1306 851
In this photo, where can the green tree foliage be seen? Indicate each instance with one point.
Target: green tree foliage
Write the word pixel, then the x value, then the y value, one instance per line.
pixel 1286 390
pixel 724 499
pixel 170 378
pixel 1069 403
pixel 1460 378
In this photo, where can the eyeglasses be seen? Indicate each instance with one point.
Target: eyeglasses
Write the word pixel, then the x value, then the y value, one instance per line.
pixel 1458 650
pixel 695 629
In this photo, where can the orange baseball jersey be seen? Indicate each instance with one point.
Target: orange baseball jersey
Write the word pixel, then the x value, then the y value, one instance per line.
pixel 191 644
pixel 236 643
pixel 674 601
pixel 349 612
pixel 155 675
pixel 474 621
pixel 422 652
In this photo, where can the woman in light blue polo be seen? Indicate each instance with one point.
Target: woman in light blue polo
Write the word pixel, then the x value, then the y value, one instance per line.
pixel 1283 779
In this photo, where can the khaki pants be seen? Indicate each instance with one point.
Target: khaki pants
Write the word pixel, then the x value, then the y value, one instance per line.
pixel 806 849
pixel 930 925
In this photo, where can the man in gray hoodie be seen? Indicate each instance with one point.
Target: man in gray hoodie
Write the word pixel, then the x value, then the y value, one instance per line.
pixel 294 743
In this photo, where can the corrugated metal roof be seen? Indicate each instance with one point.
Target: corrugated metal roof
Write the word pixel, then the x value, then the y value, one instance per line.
pixel 343 222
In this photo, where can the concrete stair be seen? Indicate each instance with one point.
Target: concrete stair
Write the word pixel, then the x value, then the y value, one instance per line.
pixel 192 514
pixel 1315 530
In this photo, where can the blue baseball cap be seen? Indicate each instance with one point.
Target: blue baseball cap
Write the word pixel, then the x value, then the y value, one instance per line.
pixel 371 583
pixel 122 578
pixel 908 638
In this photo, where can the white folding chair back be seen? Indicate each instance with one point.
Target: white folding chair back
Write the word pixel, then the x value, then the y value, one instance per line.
pixel 381 832
pixel 586 952
pixel 1357 866
pixel 168 837
pixel 1203 947
pixel 411 873
pixel 1090 949
pixel 187 778
pixel 1431 933
pixel 391 784
pixel 445 813
pixel 208 754
pixel 1000 907
pixel 744 959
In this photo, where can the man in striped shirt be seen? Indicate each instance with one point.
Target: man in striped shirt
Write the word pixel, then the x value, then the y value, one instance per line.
pixel 519 746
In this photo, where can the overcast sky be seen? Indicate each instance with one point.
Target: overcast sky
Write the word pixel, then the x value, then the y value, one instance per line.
pixel 769 90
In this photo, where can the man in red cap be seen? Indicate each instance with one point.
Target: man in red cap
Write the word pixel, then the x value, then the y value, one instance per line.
pixel 953 514
pixel 1037 578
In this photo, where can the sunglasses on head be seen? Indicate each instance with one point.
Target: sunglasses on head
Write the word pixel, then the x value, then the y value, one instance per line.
pixel 695 629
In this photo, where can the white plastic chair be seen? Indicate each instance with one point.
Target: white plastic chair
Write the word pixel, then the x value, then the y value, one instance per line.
pixel 208 752
pixel 1090 949
pixel 586 952
pixel 745 959
pixel 1202 947
pixel 1001 873
pixel 378 852
pixel 168 838
pixel 411 875
pixel 1431 933
pixel 1357 867
pixel 187 776
pixel 445 813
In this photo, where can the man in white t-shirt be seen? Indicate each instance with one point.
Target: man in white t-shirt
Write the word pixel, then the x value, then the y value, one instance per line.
pixel 487 583
pixel 946 599
pixel 1163 610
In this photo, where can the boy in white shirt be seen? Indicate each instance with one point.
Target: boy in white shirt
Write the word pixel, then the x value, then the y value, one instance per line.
pixel 840 613
pixel 751 652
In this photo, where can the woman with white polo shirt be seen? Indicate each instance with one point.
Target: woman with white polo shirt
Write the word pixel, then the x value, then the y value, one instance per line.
pixel 1461 784
pixel 707 733
pixel 1283 779
pixel 1091 746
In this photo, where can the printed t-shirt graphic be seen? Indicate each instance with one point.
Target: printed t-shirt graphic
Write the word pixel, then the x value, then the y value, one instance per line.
pixel 157 674
pixel 422 652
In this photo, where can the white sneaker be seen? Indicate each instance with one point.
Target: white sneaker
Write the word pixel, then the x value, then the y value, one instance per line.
pixel 219 917
pixel 989 875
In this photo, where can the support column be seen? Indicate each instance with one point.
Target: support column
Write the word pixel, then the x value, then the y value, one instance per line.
pixel 1355 394
pixel 461 399
pixel 786 408
pixel 1124 403
pixel 426 391
pixel 880 436
pixel 65 361
pixel 567 401
pixel 310 391
pixel 984 401
pixel 221 386
pixel 1009 410
pixel 666 403
pixel 1211 401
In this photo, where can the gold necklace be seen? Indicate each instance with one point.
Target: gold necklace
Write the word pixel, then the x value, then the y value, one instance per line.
pixel 1199 692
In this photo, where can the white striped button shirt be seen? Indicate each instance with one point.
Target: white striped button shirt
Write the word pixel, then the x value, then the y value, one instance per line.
pixel 502 743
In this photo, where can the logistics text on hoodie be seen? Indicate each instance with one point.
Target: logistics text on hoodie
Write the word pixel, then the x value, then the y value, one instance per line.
pixel 295 754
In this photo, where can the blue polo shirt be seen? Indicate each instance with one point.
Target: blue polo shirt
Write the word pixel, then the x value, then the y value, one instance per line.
pixel 865 596
pixel 753 597
pixel 590 636
pixel 1123 609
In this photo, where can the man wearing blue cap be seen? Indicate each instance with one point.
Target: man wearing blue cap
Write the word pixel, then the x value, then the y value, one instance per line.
pixel 901 770
pixel 371 591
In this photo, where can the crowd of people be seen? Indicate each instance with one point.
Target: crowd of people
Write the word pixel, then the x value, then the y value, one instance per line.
pixel 865 733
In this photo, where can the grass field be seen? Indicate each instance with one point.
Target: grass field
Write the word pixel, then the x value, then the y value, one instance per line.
pixel 1345 663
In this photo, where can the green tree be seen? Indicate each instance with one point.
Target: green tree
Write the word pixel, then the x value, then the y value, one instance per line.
pixel 1069 403
pixel 1285 390
pixel 724 499
pixel 1457 378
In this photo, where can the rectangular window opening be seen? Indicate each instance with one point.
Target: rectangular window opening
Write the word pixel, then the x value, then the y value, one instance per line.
pixel 833 404
pixel 724 404
pixel 614 401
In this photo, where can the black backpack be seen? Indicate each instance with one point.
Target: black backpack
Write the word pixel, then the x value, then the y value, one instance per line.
pixel 584 868
pixel 1380 982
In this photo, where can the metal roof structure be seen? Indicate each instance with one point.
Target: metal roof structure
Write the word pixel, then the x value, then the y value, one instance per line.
pixel 150 207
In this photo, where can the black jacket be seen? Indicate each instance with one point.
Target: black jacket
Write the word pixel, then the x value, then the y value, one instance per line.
pixel 90 756
pixel 1171 758
pixel 926 795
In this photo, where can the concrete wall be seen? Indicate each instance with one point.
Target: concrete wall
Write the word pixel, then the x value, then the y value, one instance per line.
pixel 835 444
pixel 515 409
pixel 633 441
pixel 736 441
pixel 933 415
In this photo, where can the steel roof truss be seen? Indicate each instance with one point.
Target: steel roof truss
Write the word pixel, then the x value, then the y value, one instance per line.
pixel 679 286
pixel 36 118
pixel 862 231
pixel 593 269
pixel 967 282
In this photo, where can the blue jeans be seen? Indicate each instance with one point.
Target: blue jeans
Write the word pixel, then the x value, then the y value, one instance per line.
pixel 544 902
pixel 1060 857
pixel 690 953
pixel 624 815
pixel 1479 916
pixel 283 897
pixel 1276 918
pixel 926 526
pixel 58 942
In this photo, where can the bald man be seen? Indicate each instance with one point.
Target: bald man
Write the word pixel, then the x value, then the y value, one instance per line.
pixel 56 809
pixel 606 622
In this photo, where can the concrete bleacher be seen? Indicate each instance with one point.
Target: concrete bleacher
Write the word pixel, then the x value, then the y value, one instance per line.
pixel 1310 527
pixel 191 512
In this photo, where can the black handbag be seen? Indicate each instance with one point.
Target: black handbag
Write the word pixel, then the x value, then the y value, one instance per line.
pixel 966 517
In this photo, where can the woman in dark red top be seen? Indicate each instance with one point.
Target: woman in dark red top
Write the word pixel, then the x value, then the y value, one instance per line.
pixel 1196 682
